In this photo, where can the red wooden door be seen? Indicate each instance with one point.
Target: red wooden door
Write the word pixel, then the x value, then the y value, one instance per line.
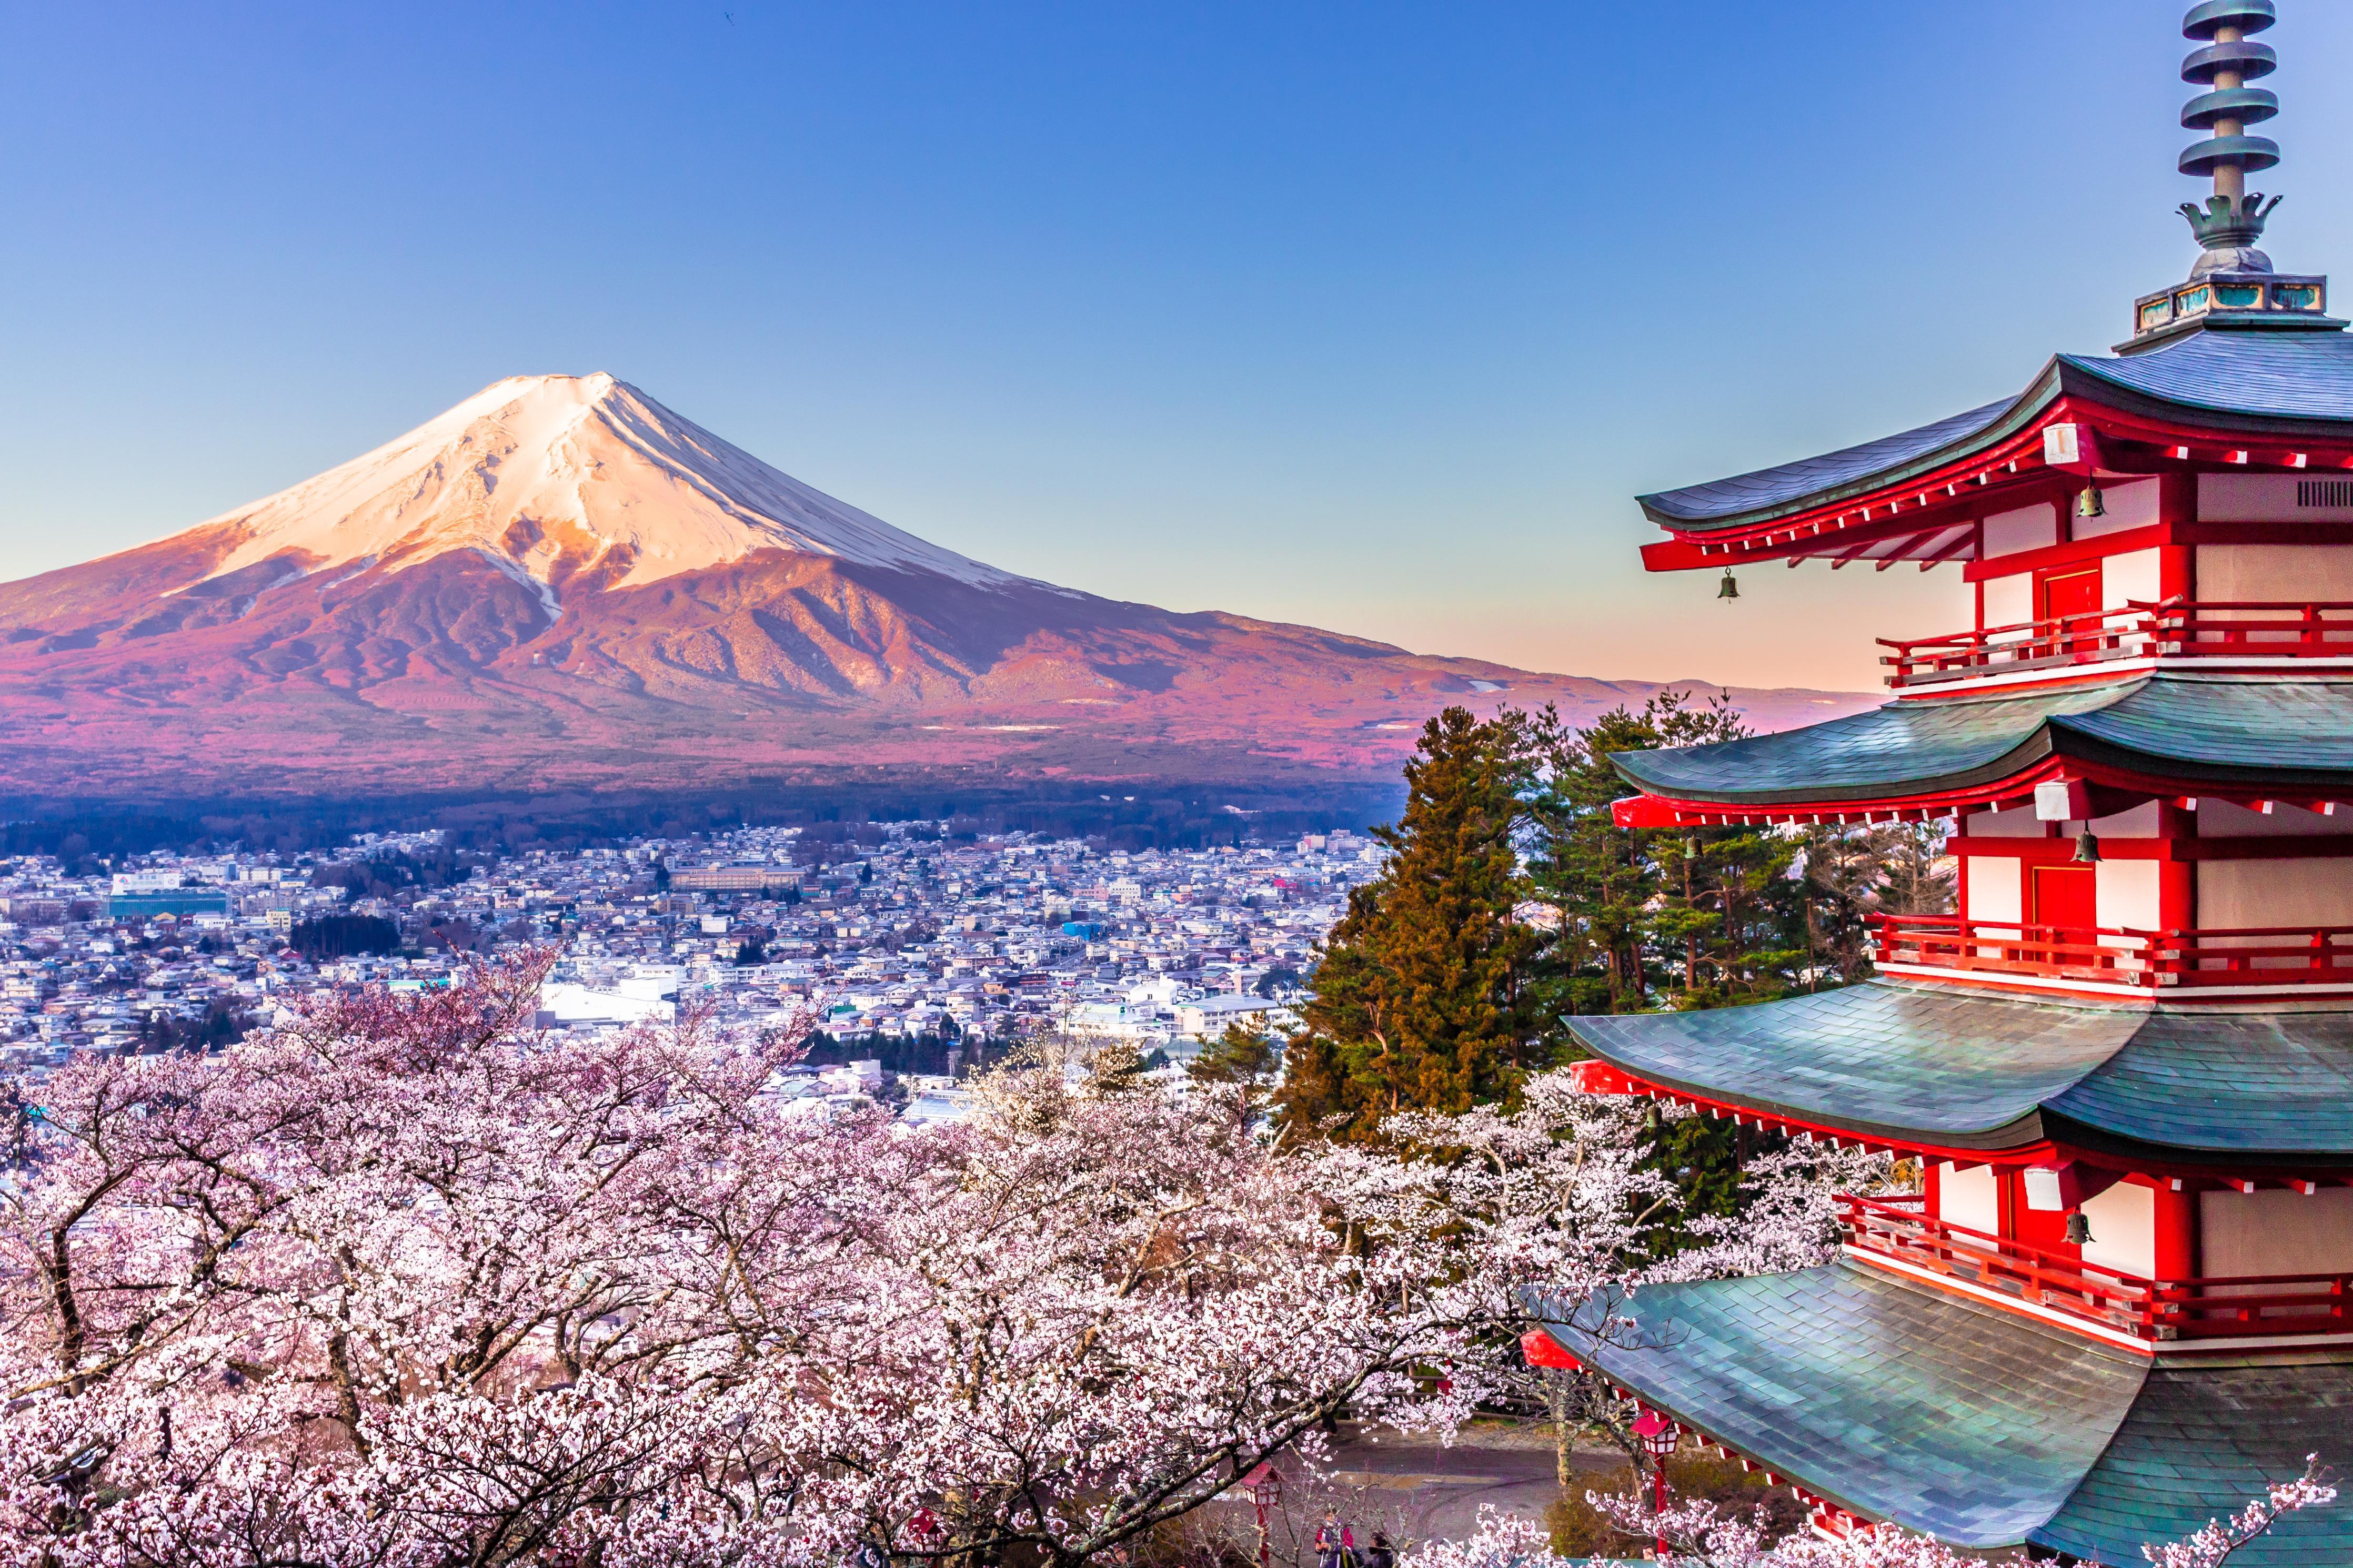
pixel 2076 592
pixel 2065 899
pixel 2045 1228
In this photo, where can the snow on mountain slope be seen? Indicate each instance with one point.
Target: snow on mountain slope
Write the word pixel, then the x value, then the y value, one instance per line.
pixel 549 476
pixel 560 583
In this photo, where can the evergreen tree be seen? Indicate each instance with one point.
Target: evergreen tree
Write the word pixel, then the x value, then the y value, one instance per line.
pixel 1917 878
pixel 1597 878
pixel 1423 998
pixel 1695 918
pixel 1853 874
pixel 1239 1056
pixel 1241 1059
pixel 1739 916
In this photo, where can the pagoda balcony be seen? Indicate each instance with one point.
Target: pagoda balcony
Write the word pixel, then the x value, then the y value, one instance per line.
pixel 2241 959
pixel 2268 1306
pixel 2241 630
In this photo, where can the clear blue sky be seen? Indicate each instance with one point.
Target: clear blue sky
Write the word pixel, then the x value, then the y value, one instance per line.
pixel 1364 315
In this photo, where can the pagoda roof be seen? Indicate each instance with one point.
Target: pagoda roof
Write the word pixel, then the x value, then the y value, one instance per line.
pixel 2288 395
pixel 1967 1070
pixel 1899 1402
pixel 2287 735
pixel 1757 496
pixel 2258 380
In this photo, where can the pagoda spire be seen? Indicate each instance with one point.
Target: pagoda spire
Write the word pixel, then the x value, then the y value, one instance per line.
pixel 2232 286
pixel 2233 218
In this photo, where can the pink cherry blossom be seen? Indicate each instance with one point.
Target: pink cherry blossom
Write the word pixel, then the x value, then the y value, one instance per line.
pixel 407 1283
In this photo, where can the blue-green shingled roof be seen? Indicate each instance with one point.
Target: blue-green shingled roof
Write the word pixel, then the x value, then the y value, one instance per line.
pixel 2286 734
pixel 1903 1403
pixel 2288 383
pixel 1967 1069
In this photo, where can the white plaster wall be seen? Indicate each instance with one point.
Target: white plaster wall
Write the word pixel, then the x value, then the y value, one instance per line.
pixel 2009 601
pixel 2237 894
pixel 2140 822
pixel 2259 498
pixel 1967 1197
pixel 2295 574
pixel 2130 505
pixel 2127 893
pixel 2027 528
pixel 2017 821
pixel 2127 577
pixel 2124 1230
pixel 1997 890
pixel 2228 819
pixel 2275 1232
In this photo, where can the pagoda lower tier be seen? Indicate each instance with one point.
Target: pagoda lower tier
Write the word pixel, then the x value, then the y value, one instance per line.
pixel 1876 1398
pixel 2182 836
pixel 2121 1304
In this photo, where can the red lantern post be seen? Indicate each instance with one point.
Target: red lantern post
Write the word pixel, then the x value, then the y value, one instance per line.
pixel 1265 1485
pixel 1659 1435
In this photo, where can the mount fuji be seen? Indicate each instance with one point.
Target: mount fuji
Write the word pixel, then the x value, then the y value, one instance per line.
pixel 560 582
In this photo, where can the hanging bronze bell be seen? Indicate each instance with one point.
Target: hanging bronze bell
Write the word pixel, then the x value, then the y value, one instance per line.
pixel 1727 589
pixel 2079 1229
pixel 2087 848
pixel 2089 502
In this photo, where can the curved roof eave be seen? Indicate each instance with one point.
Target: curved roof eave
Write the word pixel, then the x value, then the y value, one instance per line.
pixel 1888 1399
pixel 1893 1399
pixel 2130 385
pixel 2007 421
pixel 2020 759
pixel 2018 1132
pixel 1939 1067
pixel 2292 736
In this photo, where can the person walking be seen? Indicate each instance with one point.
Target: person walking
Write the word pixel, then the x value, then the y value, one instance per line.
pixel 1336 1545
pixel 1380 1553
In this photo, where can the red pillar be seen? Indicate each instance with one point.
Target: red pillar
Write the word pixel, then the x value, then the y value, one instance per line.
pixel 2177 876
pixel 2177 564
pixel 1961 864
pixel 2177 1233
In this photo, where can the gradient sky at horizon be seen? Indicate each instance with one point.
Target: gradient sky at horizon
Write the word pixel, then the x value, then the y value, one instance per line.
pixel 1367 316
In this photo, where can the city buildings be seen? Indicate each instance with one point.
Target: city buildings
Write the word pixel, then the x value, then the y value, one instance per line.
pixel 893 933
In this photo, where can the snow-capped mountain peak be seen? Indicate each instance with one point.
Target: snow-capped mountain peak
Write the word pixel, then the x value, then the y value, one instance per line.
pixel 561 583
pixel 544 475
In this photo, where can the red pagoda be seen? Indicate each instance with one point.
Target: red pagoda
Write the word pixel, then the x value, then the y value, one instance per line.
pixel 2123 1304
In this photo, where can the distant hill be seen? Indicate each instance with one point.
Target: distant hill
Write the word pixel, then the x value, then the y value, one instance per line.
pixel 560 583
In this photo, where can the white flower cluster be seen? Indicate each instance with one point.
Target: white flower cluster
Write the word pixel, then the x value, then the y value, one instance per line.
pixel 404 1284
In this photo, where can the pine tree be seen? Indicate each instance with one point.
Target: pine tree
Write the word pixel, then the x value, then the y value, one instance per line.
pixel 1242 1061
pixel 1596 876
pixel 1422 1000
pixel 1695 918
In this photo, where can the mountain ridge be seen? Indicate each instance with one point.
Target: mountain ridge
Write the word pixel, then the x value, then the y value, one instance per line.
pixel 561 581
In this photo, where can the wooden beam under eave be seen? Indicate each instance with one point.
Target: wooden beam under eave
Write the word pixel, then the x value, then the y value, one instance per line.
pixel 1896 555
pixel 1965 539
pixel 1855 553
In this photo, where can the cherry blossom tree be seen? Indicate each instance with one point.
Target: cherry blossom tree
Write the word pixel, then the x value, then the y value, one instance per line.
pixel 1556 1196
pixel 2219 1539
pixel 404 1282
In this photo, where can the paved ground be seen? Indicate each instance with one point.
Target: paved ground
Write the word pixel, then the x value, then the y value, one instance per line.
pixel 1413 1488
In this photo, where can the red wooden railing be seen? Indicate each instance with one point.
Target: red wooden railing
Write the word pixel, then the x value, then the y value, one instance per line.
pixel 2249 1305
pixel 2168 628
pixel 2122 955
